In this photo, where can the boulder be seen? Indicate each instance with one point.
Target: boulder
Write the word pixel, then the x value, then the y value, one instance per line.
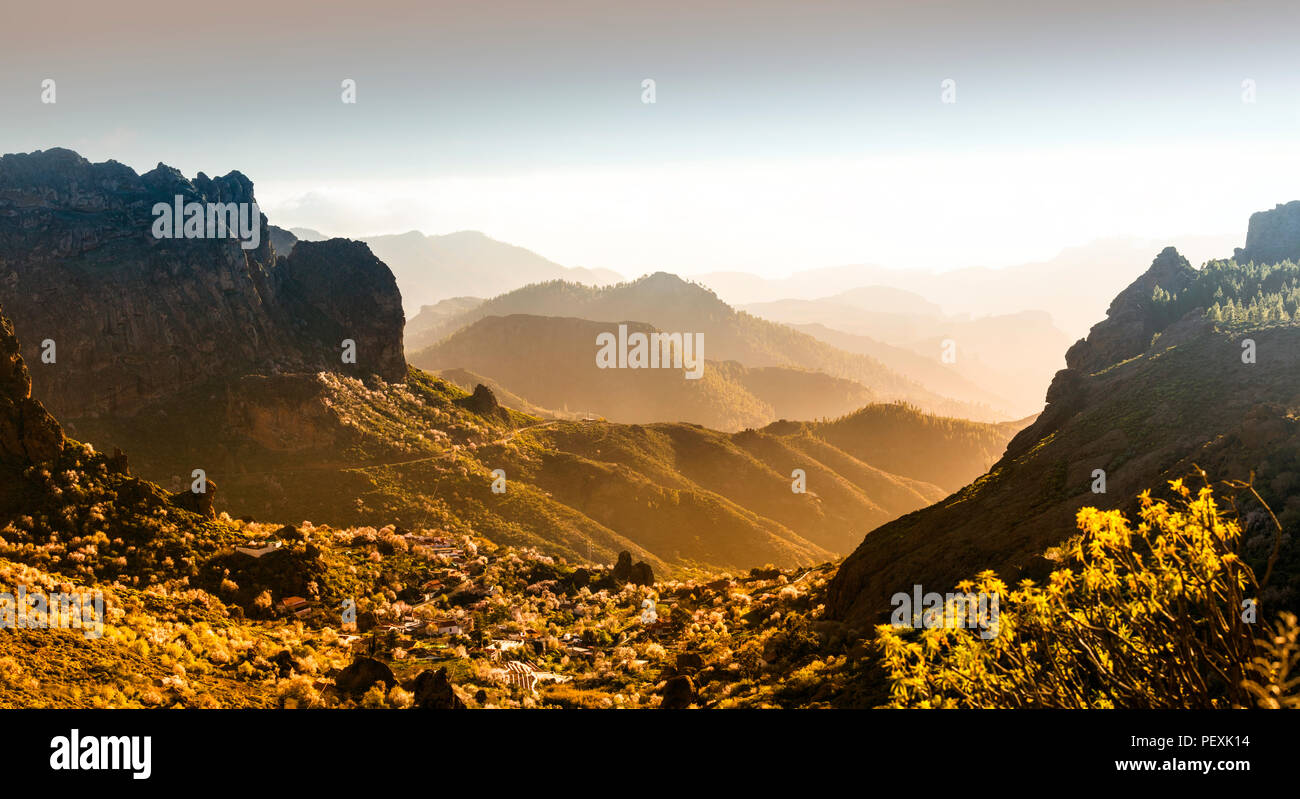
pixel 625 571
pixel 362 673
pixel 482 401
pixel 200 503
pixel 433 691
pixel 579 579
pixel 642 574
pixel 283 662
pixel 623 568
pixel 678 693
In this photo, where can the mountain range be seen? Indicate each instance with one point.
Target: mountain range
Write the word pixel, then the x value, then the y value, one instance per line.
pixel 196 354
pixel 431 269
pixel 1000 360
pixel 793 360
pixel 1073 287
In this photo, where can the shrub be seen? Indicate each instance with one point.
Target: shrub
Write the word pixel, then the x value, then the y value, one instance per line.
pixel 1140 617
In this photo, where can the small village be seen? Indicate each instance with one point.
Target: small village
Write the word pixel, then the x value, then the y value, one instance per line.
pixel 513 627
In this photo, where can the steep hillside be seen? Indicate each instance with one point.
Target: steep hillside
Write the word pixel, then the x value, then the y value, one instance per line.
pixel 668 303
pixel 335 450
pixel 60 501
pixel 467 381
pixel 670 482
pixel 688 491
pixel 1161 385
pixel 900 439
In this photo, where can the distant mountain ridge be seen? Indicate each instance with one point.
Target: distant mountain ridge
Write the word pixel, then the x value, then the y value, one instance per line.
pixel 1004 361
pixel 668 303
pixel 434 268
pixel 1072 286
pixel 426 327
pixel 550 362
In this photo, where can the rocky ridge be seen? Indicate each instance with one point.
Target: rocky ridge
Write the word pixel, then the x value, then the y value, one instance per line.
pixel 132 318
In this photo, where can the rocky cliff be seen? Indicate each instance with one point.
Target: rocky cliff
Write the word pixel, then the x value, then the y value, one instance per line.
pixel 1273 236
pixel 112 316
pixel 28 434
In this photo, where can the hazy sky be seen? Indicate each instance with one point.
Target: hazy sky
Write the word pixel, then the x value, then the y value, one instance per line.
pixel 785 135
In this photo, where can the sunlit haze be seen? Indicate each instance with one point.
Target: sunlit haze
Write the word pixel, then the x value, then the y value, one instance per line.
pixel 778 140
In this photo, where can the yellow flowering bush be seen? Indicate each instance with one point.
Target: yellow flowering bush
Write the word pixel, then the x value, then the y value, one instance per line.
pixel 1157 615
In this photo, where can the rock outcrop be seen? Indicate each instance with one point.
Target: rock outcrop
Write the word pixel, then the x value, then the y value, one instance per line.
pixel 362 673
pixel 1273 236
pixel 625 571
pixel 433 691
pixel 1130 322
pixel 482 401
pixel 128 317
pixel 678 693
pixel 28 434
pixel 197 503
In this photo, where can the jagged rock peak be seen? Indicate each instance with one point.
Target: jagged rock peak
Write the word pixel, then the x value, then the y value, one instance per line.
pixel 1129 324
pixel 138 316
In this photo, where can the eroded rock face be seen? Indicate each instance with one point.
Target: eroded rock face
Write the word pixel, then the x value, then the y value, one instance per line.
pixel 1273 236
pixel 28 434
pixel 135 318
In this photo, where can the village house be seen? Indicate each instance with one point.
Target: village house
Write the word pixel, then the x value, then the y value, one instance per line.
pixel 445 626
pixel 296 605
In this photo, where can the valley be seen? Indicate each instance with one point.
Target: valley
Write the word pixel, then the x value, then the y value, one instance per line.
pixel 492 519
